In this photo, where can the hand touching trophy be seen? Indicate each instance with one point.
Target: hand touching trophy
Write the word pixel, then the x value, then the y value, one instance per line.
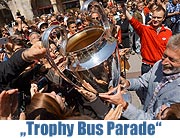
pixel 91 55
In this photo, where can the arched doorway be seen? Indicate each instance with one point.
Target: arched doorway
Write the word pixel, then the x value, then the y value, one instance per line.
pixel 6 16
pixel 40 7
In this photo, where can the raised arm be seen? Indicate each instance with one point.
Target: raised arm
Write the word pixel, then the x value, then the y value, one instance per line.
pixel 128 15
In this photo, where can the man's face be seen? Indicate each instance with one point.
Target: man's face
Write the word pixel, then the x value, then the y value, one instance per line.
pixel 95 16
pixel 171 61
pixel 73 28
pixel 140 6
pixel 24 27
pixel 43 28
pixel 157 18
pixel 34 38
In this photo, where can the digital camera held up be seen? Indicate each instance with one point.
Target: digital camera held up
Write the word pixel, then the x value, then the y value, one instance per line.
pixel 18 14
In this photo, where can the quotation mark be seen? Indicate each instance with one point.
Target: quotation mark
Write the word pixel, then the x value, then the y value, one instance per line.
pixel 22 134
pixel 158 124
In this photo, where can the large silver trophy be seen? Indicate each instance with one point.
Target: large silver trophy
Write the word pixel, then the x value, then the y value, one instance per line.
pixel 92 58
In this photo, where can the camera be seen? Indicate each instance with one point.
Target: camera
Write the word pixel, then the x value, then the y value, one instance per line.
pixel 23 100
pixel 18 14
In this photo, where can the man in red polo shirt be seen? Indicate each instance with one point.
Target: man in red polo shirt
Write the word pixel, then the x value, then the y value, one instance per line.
pixel 153 37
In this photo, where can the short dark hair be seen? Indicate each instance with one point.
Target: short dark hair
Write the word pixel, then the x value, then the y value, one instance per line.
pixel 160 8
pixel 70 22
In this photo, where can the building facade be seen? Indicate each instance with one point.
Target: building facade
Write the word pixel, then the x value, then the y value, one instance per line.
pixel 33 8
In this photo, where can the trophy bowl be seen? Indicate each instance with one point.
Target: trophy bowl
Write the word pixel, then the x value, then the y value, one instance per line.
pixel 92 55
pixel 93 59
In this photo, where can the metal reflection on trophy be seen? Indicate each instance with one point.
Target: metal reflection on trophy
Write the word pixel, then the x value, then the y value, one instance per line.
pixel 92 58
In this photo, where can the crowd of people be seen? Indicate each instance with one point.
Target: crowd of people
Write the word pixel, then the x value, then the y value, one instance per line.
pixel 31 89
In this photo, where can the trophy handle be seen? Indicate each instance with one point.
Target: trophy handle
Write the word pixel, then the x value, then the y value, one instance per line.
pixel 45 43
pixel 46 34
pixel 91 3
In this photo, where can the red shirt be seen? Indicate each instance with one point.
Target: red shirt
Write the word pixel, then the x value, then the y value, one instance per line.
pixel 146 10
pixel 152 44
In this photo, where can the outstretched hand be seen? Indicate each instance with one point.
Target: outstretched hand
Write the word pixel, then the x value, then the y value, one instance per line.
pixel 37 51
pixel 114 96
pixel 124 83
pixel 8 103
pixel 90 96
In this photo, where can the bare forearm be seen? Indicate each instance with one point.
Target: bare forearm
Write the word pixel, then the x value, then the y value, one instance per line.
pixel 25 56
pixel 128 15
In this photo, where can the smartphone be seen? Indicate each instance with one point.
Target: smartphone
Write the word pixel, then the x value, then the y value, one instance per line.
pixel 3 40
pixel 42 82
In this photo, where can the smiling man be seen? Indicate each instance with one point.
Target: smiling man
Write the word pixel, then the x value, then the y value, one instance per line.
pixel 161 85
pixel 153 37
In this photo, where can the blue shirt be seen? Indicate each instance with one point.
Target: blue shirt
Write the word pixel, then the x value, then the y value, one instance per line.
pixel 171 8
pixel 147 83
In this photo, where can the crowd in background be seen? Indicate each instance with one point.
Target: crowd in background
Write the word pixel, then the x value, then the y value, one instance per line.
pixel 47 95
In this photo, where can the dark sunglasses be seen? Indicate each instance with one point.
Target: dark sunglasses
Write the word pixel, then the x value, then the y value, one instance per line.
pixel 96 18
